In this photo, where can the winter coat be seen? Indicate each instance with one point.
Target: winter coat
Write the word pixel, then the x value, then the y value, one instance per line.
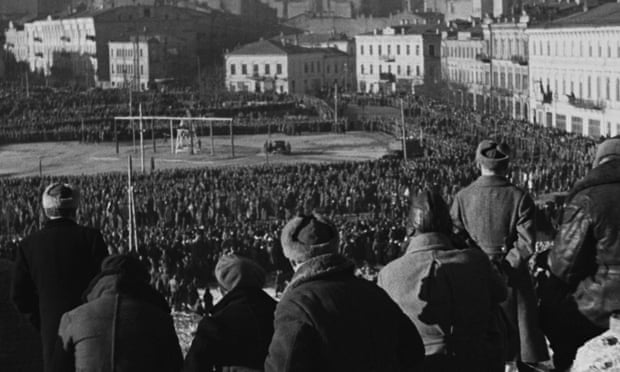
pixel 586 254
pixel 237 334
pixel 124 327
pixel 500 218
pixel 452 296
pixel 53 268
pixel 329 320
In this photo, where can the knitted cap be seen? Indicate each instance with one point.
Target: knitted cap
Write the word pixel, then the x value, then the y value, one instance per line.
pixel 59 197
pixel 306 237
pixel 609 147
pixel 233 271
pixel 492 155
pixel 126 265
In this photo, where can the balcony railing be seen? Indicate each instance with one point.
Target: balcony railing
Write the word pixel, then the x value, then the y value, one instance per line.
pixel 387 58
pixel 483 58
pixel 38 39
pixel 520 60
pixel 587 104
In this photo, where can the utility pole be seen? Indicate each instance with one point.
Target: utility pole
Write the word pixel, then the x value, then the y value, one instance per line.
pixel 129 203
pixel 402 122
pixel 141 142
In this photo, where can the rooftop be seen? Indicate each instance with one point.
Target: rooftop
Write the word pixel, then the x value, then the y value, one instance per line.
pixel 601 16
pixel 273 47
pixel 408 30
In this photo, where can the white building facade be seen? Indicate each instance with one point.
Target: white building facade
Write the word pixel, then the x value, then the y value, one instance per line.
pixel 65 44
pixel 575 72
pixel 16 42
pixel 465 68
pixel 129 64
pixel 398 58
pixel 273 66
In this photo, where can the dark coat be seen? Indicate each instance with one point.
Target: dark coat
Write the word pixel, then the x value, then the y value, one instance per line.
pixel 329 320
pixel 500 218
pixel 125 322
pixel 586 254
pixel 237 334
pixel 452 296
pixel 53 268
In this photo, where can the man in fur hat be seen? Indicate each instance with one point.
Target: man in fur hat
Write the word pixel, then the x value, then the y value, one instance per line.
pixel 329 320
pixel 55 265
pixel 583 289
pixel 499 218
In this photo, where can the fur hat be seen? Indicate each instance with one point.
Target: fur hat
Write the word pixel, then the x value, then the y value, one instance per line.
pixel 59 198
pixel 233 271
pixel 493 156
pixel 610 147
pixel 305 237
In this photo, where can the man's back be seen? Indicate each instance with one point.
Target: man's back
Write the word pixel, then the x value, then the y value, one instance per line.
pixel 54 267
pixel 328 320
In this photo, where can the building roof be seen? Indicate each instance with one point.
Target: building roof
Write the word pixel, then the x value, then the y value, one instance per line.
pixel 410 30
pixel 312 38
pixel 272 47
pixel 601 16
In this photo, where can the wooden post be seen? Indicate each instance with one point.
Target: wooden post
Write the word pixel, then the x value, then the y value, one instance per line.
pixel 402 121
pixel 171 138
pixel 141 141
pixel 129 202
pixel 116 136
pixel 232 139
pixel 211 135
pixel 153 135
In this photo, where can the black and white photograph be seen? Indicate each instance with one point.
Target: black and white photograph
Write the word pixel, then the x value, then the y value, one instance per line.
pixel 310 186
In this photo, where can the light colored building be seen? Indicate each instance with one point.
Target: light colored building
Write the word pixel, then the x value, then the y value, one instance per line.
pixel 135 63
pixel 282 67
pixel 507 45
pixel 575 72
pixel 465 67
pixel 402 58
pixel 16 42
pixel 330 41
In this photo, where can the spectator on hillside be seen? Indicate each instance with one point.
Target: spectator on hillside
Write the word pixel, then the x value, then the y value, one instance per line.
pixel 55 265
pixel 124 326
pixel 451 295
pixel 584 288
pixel 499 217
pixel 237 332
pixel 329 320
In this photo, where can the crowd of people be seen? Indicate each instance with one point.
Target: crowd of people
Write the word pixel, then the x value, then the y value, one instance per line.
pixel 189 219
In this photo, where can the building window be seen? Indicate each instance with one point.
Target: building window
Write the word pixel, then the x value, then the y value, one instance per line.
pixel 335 68
pixel 379 49
pixel 244 69
pixel 589 86
pixel 607 89
pixel 380 69
pixel 548 48
pixel 140 52
pixel 398 49
pixel 370 68
pixel 361 69
pixel 389 50
pixel 408 49
pixel 141 69
pixel 370 49
pixel 305 67
pixel 417 70
pixel 361 50
pixel 518 81
pixel 580 89
pixel 267 69
pixel 431 50
pixel 279 68
pixel 417 50
pixel 255 69
pixel 408 70
pixel 598 87
pixel 389 69
pixel 233 69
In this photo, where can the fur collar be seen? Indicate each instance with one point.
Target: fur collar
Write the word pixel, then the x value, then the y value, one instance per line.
pixel 604 174
pixel 320 267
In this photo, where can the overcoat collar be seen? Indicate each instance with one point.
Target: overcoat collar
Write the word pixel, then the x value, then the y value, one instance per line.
pixel 60 222
pixel 605 173
pixel 428 241
pixel 321 267
pixel 491 181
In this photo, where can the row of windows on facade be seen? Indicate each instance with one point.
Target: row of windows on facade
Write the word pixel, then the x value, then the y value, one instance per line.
pixel 125 69
pixel 388 69
pixel 504 48
pixel 124 52
pixel 600 92
pixel 398 49
pixel 462 52
pixel 501 79
pixel 573 50
pixel 309 68
pixel 576 124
